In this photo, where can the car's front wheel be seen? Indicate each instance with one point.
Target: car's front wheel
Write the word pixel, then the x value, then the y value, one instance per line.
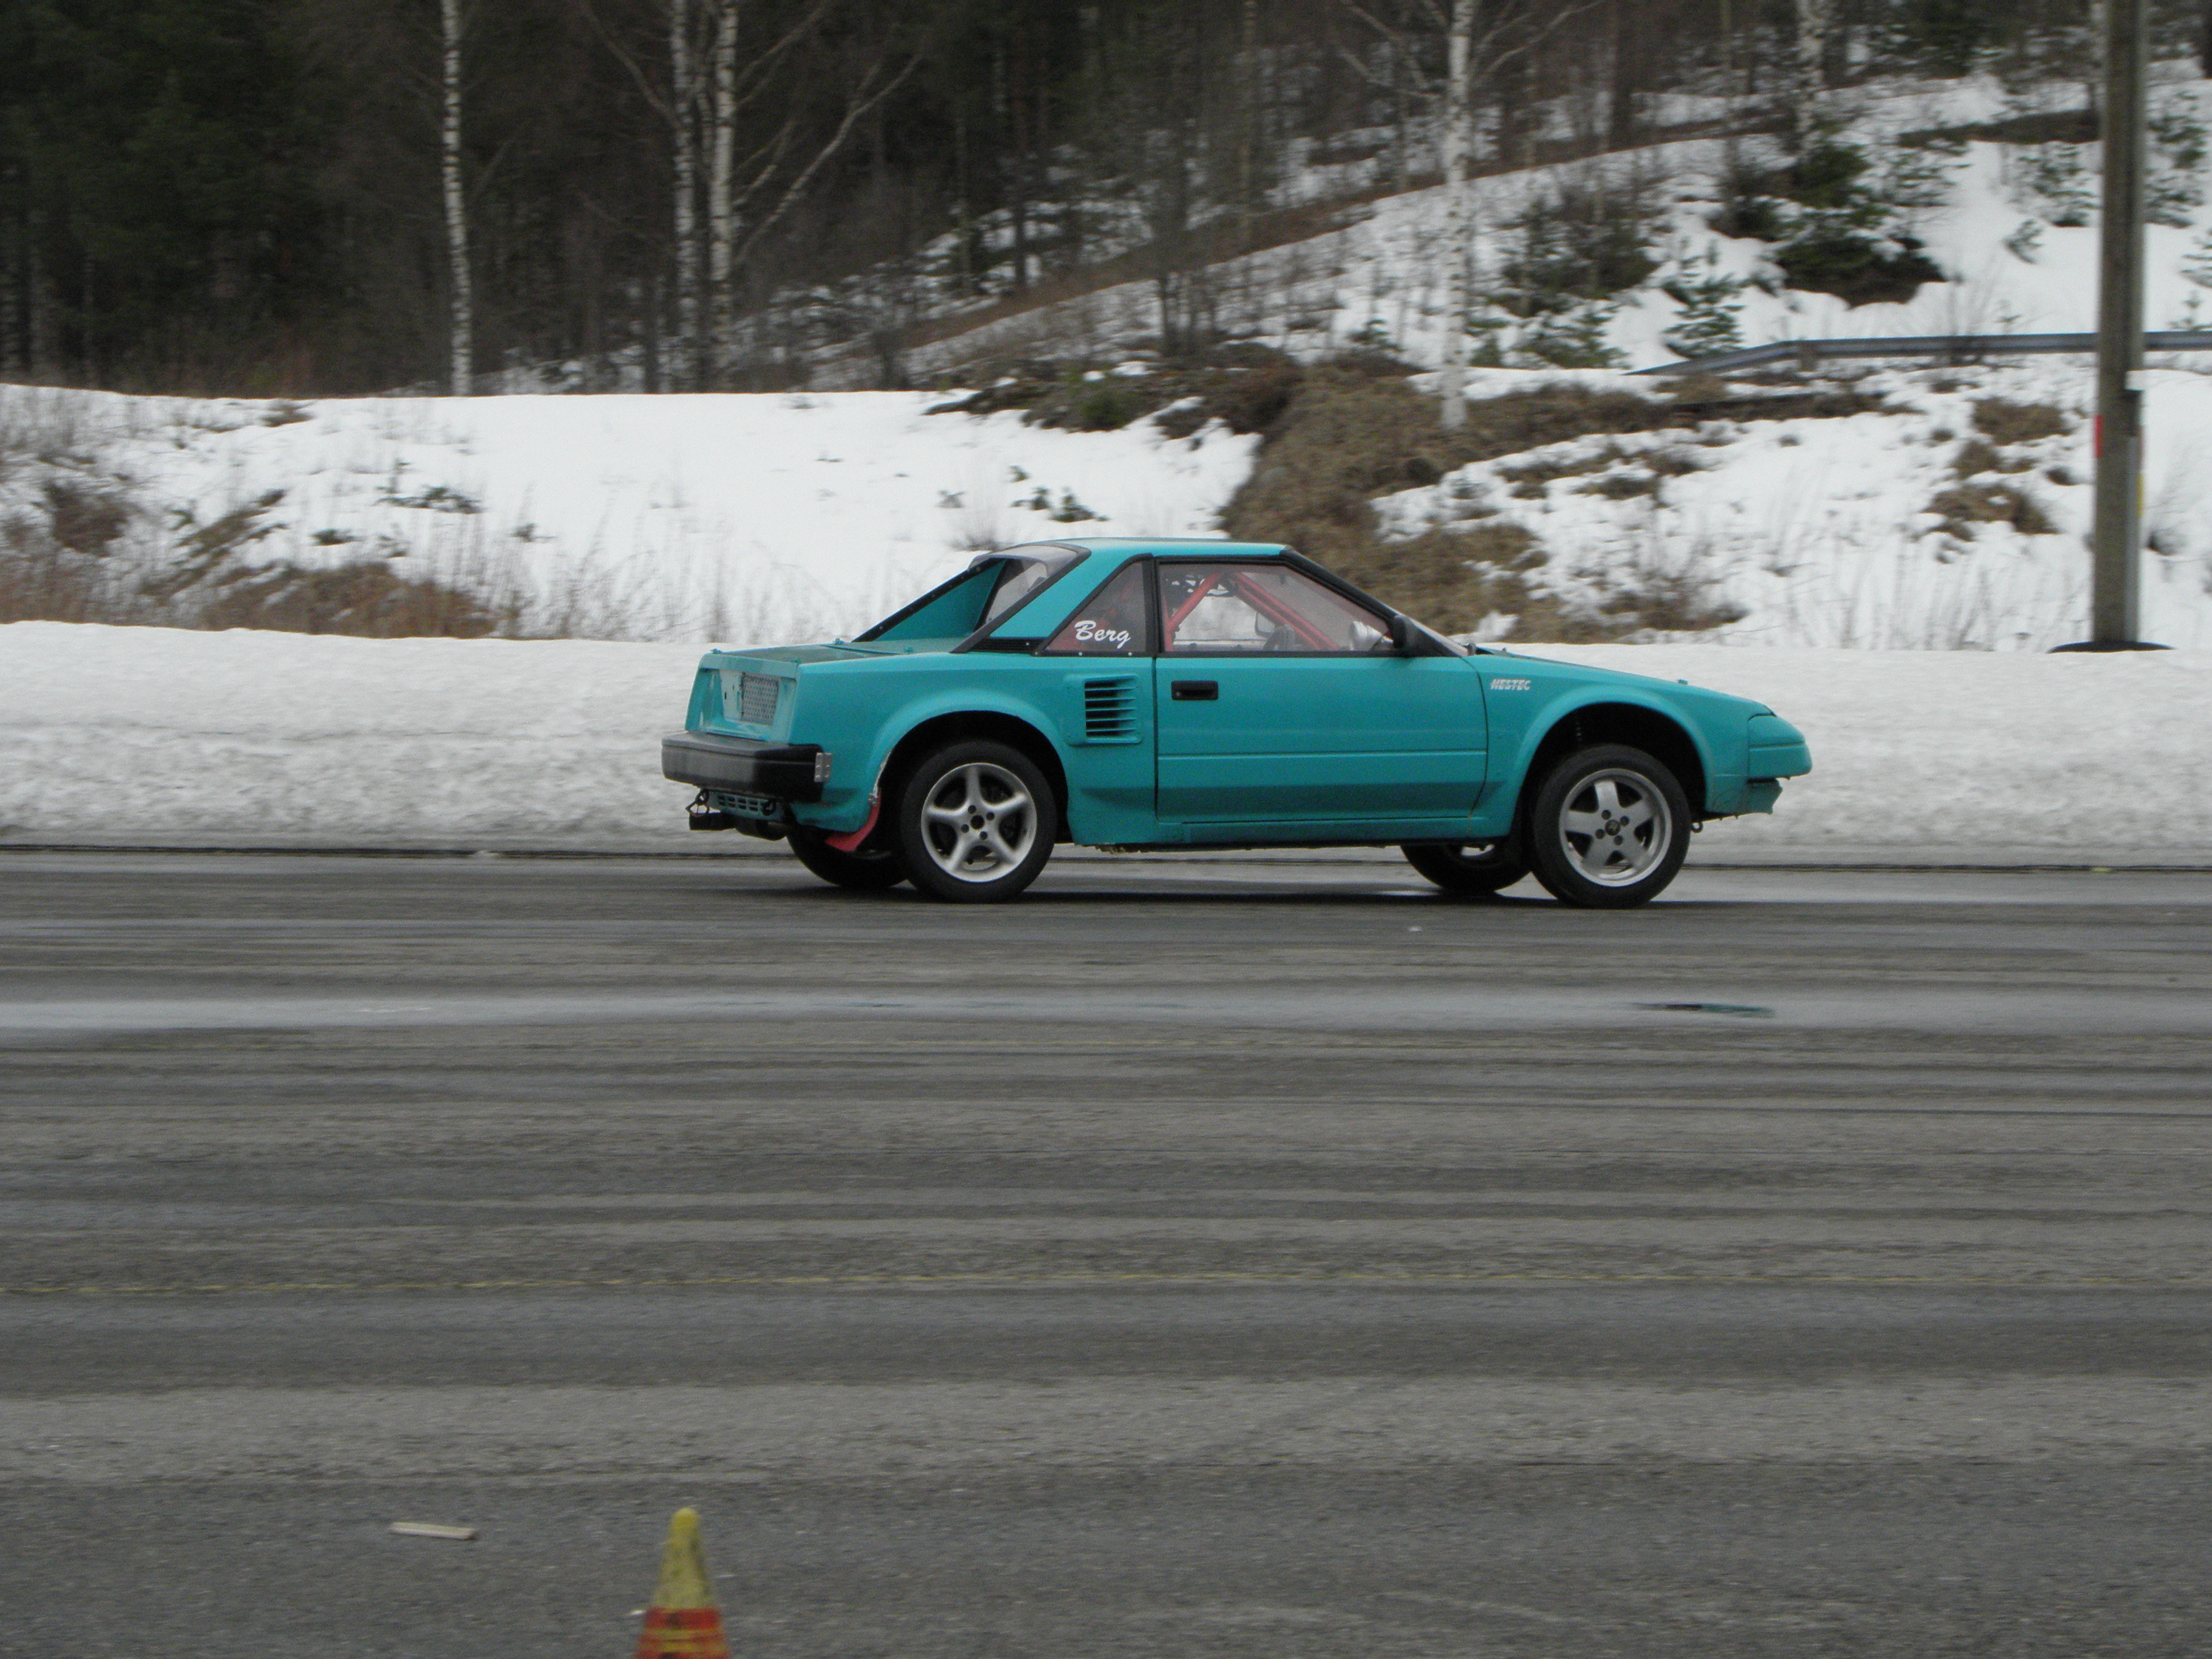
pixel 869 870
pixel 976 822
pixel 1609 827
pixel 1473 870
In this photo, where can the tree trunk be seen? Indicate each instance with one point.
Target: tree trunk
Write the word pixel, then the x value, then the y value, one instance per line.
pixel 1401 160
pixel 1457 109
pixel 43 325
pixel 14 298
pixel 1248 159
pixel 722 211
pixel 1814 19
pixel 1620 92
pixel 682 95
pixel 1006 100
pixel 461 319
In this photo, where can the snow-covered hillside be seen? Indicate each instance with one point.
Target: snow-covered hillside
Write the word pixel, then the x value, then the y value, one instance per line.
pixel 1906 522
pixel 2011 225
pixel 728 517
pixel 1950 514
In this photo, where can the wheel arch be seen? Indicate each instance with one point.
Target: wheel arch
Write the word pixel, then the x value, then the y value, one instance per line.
pixel 1659 734
pixel 960 726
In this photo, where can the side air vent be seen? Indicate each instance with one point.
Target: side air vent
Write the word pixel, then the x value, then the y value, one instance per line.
pixel 756 696
pixel 1110 710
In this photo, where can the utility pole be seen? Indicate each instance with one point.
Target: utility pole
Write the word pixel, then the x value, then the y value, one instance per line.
pixel 2115 563
pixel 1457 78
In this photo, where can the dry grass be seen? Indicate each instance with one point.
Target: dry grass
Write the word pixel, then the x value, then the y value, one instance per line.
pixel 60 562
pixel 2007 423
pixel 1967 505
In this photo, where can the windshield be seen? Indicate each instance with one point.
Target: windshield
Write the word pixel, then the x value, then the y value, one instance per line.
pixel 994 586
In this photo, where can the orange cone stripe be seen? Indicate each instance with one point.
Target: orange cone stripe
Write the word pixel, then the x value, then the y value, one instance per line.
pixel 682 1634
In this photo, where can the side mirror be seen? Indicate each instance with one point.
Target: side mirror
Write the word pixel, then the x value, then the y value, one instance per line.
pixel 1401 633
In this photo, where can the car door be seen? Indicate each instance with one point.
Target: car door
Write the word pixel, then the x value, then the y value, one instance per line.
pixel 1279 703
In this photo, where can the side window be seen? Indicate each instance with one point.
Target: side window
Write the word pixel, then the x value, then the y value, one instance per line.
pixel 1111 623
pixel 1217 609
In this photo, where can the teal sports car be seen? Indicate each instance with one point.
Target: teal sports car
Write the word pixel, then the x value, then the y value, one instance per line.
pixel 1132 695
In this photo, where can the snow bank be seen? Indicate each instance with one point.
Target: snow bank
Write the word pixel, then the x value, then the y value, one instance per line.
pixel 1970 750
pixel 160 732
pixel 155 732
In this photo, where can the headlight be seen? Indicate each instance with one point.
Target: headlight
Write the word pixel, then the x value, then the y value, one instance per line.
pixel 821 766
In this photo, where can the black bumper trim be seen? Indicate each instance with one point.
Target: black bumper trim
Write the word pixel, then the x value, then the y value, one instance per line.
pixel 784 769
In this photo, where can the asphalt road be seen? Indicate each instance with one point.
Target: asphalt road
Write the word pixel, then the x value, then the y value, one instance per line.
pixel 1194 1259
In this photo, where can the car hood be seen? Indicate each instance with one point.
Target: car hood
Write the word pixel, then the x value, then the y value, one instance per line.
pixel 1590 674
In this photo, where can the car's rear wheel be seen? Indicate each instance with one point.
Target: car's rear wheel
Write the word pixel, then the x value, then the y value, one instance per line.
pixel 871 869
pixel 1476 869
pixel 976 822
pixel 1609 827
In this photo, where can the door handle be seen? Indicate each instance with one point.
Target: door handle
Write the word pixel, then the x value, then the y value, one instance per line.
pixel 1195 691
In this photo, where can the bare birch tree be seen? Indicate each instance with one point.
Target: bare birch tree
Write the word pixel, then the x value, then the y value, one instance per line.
pixel 721 209
pixel 1457 142
pixel 682 109
pixel 1482 38
pixel 712 233
pixel 460 300
pixel 1814 19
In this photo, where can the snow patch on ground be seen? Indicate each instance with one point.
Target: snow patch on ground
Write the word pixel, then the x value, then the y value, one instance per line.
pixel 163 732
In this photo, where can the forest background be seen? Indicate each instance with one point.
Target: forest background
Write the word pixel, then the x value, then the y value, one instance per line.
pixel 291 198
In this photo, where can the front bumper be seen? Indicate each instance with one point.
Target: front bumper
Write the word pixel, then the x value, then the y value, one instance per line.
pixel 786 770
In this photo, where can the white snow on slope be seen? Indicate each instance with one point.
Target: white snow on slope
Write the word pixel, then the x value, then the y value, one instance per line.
pixel 1385 271
pixel 1836 530
pixel 749 517
pixel 740 518
pixel 155 731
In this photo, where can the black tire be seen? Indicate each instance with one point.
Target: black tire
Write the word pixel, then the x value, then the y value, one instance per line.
pixel 975 822
pixel 874 868
pixel 1608 828
pixel 1478 871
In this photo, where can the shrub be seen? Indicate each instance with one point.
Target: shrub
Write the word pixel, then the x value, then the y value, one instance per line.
pixel 1574 338
pixel 1710 302
pixel 1827 178
pixel 1581 241
pixel 1857 269
pixel 1106 406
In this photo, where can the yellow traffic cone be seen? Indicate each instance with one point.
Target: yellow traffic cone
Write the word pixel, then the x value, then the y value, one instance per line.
pixel 683 1622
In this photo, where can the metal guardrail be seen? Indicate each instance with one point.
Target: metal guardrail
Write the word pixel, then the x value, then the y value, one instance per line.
pixel 1949 348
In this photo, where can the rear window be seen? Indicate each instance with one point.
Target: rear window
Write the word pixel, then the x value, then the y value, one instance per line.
pixel 994 586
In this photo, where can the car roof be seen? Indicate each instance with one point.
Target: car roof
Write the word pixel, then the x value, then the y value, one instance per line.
pixel 1117 549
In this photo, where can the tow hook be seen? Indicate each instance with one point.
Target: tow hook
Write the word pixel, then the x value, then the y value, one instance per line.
pixel 703 816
